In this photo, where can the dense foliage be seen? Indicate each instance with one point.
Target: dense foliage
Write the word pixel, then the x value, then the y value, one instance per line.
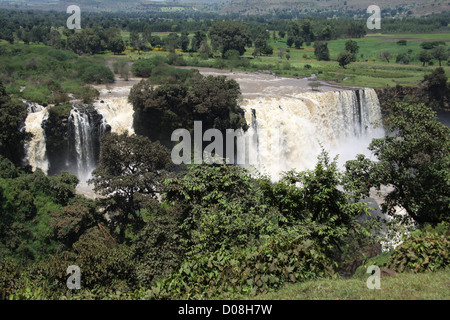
pixel 46 75
pixel 161 110
pixel 413 161
pixel 424 250
pixel 12 117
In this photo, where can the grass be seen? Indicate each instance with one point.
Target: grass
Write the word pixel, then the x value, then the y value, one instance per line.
pixel 369 70
pixel 407 286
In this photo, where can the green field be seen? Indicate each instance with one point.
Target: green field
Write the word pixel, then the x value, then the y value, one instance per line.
pixel 368 71
pixel 407 286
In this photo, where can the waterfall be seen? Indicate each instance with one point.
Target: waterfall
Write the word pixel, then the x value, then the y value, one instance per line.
pixel 116 110
pixel 86 127
pixel 73 144
pixel 288 132
pixel 35 149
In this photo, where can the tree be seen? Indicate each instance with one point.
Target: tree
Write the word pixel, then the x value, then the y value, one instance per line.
pixel 197 39
pixel 356 29
pixel 204 50
pixel 184 41
pixel 229 35
pixel 402 58
pixel 307 31
pixel 156 42
pixel 298 42
pixel 326 33
pixel 12 119
pixel 435 85
pixel 116 45
pixel 352 47
pixel 172 42
pixel 314 85
pixel 290 41
pixel 129 175
pixel 75 219
pixel 440 53
pixel 137 42
pixel 413 160
pixel 262 47
pixel 424 57
pixel 295 34
pixel 344 58
pixel 147 34
pixel 54 40
pixel 281 52
pixel 385 55
pixel 281 34
pixel 321 51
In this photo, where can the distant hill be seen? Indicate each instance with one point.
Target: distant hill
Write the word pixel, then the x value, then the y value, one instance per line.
pixel 417 7
pixel 251 7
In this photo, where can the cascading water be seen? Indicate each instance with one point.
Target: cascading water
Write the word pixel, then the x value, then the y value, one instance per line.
pixel 86 127
pixel 289 132
pixel 35 149
pixel 116 110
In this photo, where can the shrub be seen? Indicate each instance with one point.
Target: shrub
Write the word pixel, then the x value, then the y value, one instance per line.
pixel 402 58
pixel 424 250
pixel 142 68
pixel 97 74
pixel 289 257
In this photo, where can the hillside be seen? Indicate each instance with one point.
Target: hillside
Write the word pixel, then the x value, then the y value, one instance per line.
pixel 244 7
pixel 419 7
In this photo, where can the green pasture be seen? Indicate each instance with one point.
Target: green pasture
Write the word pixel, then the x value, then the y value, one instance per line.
pixel 368 71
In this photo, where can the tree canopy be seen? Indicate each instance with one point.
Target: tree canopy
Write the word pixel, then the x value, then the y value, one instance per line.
pixel 412 161
pixel 129 175
pixel 230 35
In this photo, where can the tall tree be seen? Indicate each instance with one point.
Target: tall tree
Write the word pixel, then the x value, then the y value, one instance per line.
pixel 344 58
pixel 352 47
pixel 137 41
pixel 129 175
pixel 440 53
pixel 230 35
pixel 147 34
pixel 197 39
pixel 413 160
pixel 436 87
pixel 424 57
pixel 321 51
pixel 184 41
pixel 116 45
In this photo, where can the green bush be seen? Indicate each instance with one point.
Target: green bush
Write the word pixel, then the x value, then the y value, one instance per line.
pixel 97 74
pixel 424 250
pixel 142 68
pixel 289 257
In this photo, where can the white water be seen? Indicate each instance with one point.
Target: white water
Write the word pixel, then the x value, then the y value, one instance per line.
pixel 83 144
pixel 289 124
pixel 115 108
pixel 35 149
pixel 289 132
